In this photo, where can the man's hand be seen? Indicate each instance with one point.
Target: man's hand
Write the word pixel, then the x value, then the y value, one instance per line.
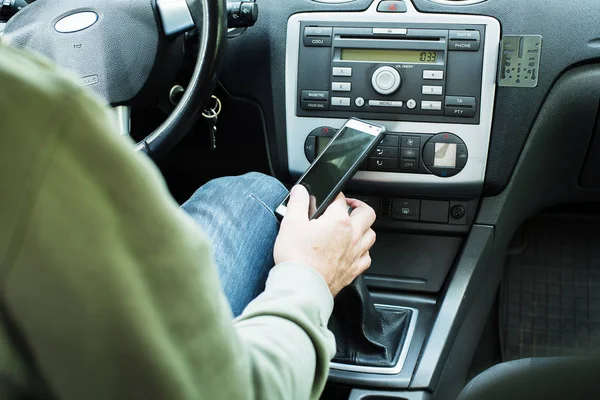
pixel 336 244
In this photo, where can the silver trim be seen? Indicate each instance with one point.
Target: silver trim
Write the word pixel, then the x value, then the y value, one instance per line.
pixel 476 137
pixel 457 2
pixel 123 119
pixel 175 16
pixel 405 347
pixel 76 22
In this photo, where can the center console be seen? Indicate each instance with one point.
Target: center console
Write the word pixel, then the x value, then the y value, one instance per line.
pixel 431 80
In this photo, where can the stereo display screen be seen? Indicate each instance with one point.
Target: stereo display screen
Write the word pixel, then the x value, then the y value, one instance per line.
pixel 386 55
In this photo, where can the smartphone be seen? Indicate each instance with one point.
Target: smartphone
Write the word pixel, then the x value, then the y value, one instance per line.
pixel 336 164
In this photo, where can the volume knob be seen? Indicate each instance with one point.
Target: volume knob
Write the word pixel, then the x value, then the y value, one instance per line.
pixel 386 80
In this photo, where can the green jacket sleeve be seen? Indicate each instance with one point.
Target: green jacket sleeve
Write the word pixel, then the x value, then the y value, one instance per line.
pixel 113 290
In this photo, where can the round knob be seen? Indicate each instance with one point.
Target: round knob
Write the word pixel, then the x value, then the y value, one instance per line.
pixel 386 80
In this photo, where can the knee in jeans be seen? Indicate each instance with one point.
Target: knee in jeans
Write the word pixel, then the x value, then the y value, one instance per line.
pixel 253 184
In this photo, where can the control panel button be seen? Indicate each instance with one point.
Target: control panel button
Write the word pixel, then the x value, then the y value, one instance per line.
pixel 464 40
pixel 433 75
pixel 383 164
pixel 409 165
pixel 359 102
pixel 315 105
pixel 341 86
pixel 317 95
pixel 340 101
pixel 462 155
pixel 392 7
pixel 459 112
pixel 386 80
pixel 431 105
pixel 460 106
pixel 390 31
pixel 406 209
pixel 342 71
pixel 385 103
pixel 411 141
pixel 309 148
pixel 410 153
pixel 318 31
pixel 411 104
pixel 463 45
pixel 390 140
pixel 464 35
pixel 433 90
pixel 316 36
pixel 460 101
pixel 386 152
pixel 445 155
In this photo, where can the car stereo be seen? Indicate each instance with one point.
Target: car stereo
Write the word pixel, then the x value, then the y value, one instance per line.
pixel 395 71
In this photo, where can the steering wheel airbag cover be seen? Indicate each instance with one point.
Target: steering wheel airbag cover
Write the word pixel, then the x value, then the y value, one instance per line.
pixel 114 55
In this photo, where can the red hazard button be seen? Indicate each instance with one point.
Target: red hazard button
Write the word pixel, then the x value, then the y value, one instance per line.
pixel 392 6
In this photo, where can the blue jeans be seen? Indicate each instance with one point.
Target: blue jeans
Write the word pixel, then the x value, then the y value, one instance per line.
pixel 237 213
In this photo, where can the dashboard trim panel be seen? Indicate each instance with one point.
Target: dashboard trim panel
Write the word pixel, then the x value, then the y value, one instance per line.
pixel 469 182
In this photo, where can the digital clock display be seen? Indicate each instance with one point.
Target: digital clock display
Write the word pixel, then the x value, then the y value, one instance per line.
pixel 392 56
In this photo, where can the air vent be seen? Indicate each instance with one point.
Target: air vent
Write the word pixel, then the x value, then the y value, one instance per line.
pixel 457 2
pixel 386 208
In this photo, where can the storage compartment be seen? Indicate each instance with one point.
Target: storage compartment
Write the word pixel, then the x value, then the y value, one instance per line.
pixel 372 395
pixel 411 262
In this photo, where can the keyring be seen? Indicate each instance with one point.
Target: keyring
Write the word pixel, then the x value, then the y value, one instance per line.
pixel 215 111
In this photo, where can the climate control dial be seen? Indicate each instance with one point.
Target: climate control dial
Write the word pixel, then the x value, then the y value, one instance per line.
pixel 386 80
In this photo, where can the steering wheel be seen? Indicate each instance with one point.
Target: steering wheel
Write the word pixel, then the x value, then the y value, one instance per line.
pixel 125 51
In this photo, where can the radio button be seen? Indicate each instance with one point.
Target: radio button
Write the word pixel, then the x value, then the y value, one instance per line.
pixel 340 101
pixel 341 86
pixel 315 105
pixel 342 71
pixel 464 35
pixel 411 104
pixel 359 102
pixel 386 80
pixel 463 45
pixel 385 103
pixel 433 75
pixel 315 95
pixel 433 90
pixel 390 31
pixel 319 31
pixel 431 105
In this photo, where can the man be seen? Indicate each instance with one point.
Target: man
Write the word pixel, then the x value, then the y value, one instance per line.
pixel 109 291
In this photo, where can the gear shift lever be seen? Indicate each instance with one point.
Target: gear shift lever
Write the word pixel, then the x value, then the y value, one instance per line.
pixel 365 335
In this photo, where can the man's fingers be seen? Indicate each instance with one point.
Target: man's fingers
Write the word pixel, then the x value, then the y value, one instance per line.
pixel 366 242
pixel 362 216
pixel 297 207
pixel 338 207
pixel 364 262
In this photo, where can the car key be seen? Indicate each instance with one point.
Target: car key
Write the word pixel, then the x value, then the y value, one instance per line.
pixel 212 116
pixel 212 126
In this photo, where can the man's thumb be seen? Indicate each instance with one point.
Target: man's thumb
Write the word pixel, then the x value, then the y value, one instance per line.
pixel 298 204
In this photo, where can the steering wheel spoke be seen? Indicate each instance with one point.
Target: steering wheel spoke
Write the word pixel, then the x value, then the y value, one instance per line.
pixel 175 16
pixel 123 119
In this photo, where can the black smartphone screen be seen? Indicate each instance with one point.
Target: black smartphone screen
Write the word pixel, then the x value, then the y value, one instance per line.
pixel 346 149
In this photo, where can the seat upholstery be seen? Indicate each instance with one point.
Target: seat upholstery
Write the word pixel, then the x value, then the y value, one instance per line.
pixel 537 378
